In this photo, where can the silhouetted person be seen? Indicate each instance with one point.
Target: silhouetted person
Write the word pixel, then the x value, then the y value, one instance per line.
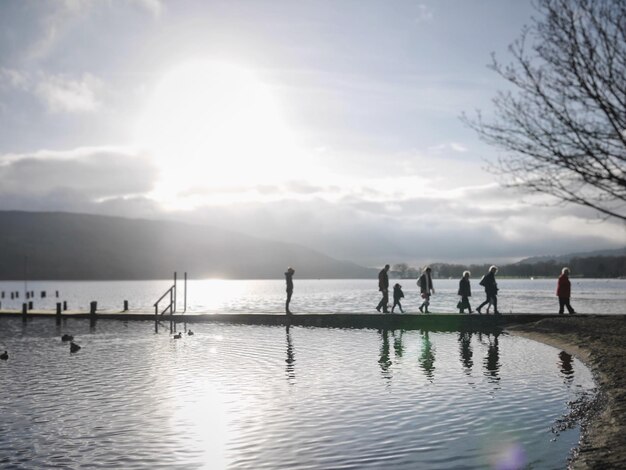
pixel 289 280
pixel 563 291
pixel 491 290
pixel 397 295
pixel 465 291
pixel 383 287
pixel 425 283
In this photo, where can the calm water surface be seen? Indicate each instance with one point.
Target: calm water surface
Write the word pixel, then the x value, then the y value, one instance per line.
pixel 235 396
pixel 319 296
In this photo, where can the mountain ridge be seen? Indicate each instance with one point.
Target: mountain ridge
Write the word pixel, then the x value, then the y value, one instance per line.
pixel 71 246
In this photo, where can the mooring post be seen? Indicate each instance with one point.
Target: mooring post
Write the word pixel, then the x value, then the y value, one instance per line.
pixel 185 307
pixel 126 305
pixel 58 315
pixel 174 308
pixel 93 305
pixel 24 311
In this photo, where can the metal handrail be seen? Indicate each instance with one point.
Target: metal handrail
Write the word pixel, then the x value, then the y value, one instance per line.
pixel 170 306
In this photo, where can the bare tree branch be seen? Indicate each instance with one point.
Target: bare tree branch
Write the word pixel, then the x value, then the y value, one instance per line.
pixel 564 126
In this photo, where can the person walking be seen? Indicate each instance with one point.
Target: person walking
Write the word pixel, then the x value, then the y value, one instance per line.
pixel 465 291
pixel 397 295
pixel 491 289
pixel 425 283
pixel 383 287
pixel 563 291
pixel 289 280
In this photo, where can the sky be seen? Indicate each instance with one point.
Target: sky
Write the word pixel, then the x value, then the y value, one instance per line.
pixel 331 124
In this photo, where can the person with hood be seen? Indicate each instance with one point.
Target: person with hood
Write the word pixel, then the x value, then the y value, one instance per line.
pixel 563 292
pixel 397 295
pixel 289 280
pixel 425 283
pixel 491 290
pixel 383 287
pixel 465 291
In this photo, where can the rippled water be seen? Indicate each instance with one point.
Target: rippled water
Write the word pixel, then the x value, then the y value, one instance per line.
pixel 233 396
pixel 319 296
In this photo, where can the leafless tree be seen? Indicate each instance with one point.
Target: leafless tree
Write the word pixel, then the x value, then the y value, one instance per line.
pixel 563 123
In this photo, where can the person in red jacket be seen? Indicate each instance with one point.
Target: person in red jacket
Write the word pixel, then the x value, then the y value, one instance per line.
pixel 563 291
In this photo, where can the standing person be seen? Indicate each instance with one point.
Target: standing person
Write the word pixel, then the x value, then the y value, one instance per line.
pixel 383 287
pixel 425 282
pixel 289 279
pixel 397 295
pixel 563 292
pixel 491 290
pixel 465 291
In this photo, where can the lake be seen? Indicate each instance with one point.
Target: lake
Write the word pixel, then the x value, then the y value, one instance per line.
pixel 317 296
pixel 236 396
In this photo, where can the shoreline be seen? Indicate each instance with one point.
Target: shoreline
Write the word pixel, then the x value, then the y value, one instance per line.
pixel 600 343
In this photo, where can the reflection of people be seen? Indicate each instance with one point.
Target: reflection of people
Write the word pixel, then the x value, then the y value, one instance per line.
pixel 289 279
pixel 425 283
pixel 427 358
pixel 383 287
pixel 492 361
pixel 491 290
pixel 566 367
pixel 465 291
pixel 465 340
pixel 290 361
pixel 384 361
pixel 563 291
pixel 397 295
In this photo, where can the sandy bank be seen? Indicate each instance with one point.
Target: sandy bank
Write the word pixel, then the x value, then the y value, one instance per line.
pixel 600 342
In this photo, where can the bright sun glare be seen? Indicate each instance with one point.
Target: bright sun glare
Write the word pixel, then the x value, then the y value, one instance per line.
pixel 211 125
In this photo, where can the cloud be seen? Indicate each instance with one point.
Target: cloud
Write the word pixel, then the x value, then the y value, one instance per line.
pixel 59 93
pixel 63 94
pixel 88 174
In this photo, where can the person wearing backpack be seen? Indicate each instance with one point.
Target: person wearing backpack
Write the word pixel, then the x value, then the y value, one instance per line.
pixel 425 283
pixel 491 289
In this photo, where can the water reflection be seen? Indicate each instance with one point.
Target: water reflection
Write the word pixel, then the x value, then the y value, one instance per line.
pixel 567 369
pixel 290 369
pixel 492 361
pixel 384 360
pixel 465 343
pixel 427 357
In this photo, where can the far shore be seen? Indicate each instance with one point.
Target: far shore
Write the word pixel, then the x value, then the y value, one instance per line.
pixel 599 342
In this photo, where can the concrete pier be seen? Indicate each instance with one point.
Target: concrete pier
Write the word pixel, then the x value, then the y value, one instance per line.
pixel 433 322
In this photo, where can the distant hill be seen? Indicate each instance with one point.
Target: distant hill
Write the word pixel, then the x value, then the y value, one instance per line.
pixel 92 247
pixel 566 258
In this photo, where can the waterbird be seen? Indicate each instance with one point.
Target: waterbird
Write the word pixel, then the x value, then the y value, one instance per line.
pixel 190 333
pixel 74 347
pixel 4 356
pixel 67 338
pixel 178 336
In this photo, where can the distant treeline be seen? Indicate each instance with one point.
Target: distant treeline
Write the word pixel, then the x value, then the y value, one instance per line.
pixel 592 267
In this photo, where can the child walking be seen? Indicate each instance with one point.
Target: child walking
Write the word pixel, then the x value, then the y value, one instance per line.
pixel 397 295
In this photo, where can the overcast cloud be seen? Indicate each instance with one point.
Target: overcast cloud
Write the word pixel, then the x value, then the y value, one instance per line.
pixel 373 164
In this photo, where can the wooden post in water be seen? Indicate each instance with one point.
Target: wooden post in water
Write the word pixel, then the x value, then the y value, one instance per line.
pixel 93 306
pixel 126 305
pixel 58 315
pixel 24 311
